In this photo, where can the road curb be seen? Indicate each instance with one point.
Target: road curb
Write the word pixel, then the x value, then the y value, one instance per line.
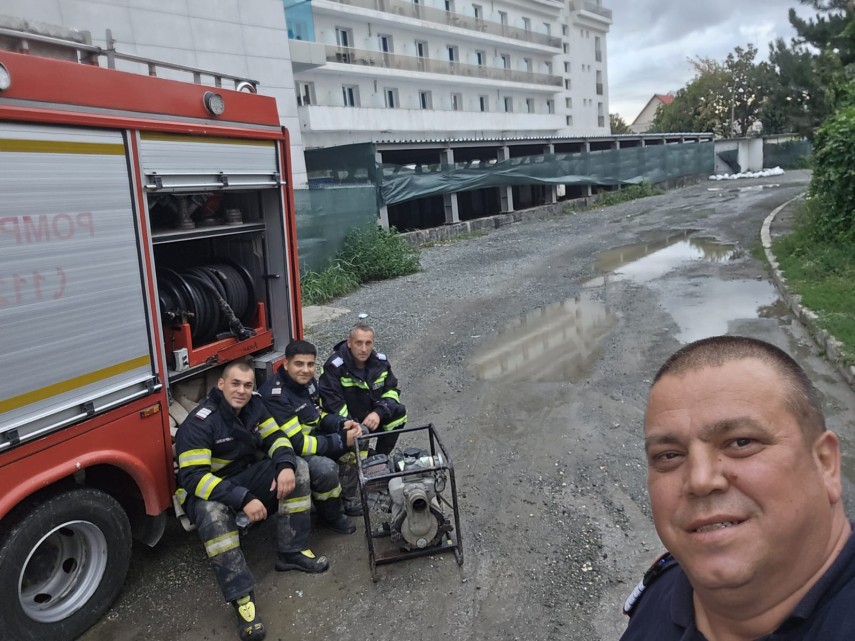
pixel 832 347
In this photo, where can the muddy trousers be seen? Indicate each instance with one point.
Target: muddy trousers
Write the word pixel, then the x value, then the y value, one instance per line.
pixel 215 523
pixel 326 490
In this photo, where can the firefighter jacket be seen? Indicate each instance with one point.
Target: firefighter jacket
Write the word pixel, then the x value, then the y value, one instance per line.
pixel 348 393
pixel 295 407
pixel 213 443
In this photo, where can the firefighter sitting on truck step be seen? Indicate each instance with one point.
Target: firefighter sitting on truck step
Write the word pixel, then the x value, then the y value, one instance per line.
pixel 358 383
pixel 320 438
pixel 234 459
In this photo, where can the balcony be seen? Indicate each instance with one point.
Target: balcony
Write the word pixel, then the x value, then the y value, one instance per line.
pixel 438 16
pixel 584 6
pixel 366 58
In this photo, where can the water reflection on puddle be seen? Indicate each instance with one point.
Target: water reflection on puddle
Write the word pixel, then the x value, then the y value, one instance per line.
pixel 558 342
pixel 701 306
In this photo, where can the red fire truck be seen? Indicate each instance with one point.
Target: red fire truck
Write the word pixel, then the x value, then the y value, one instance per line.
pixel 147 236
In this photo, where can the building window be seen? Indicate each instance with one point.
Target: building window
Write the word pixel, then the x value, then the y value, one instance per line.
pixel 566 47
pixel 548 66
pixel 449 6
pixel 503 18
pixel 480 58
pixel 453 53
pixel 478 11
pixel 548 28
pixel 567 83
pixel 343 36
pixel 598 52
pixel 425 100
pixel 305 93
pixel 390 94
pixel 566 67
pixel 350 93
pixel 564 29
pixel 601 116
pixel 569 121
pixel 385 43
pixel 526 24
pixel 456 102
pixel 484 103
pixel 599 82
pixel 527 63
pixel 508 104
pixel 529 105
pixel 421 49
pixel 550 106
pixel 568 102
pixel 506 60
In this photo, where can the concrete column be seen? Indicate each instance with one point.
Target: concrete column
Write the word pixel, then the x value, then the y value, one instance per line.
pixel 551 190
pixel 449 201
pixel 587 149
pixel 506 193
pixel 382 211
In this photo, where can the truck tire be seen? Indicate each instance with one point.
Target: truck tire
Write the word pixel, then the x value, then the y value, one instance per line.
pixel 63 559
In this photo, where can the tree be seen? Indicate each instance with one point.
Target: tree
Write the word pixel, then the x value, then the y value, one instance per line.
pixel 618 124
pixel 724 97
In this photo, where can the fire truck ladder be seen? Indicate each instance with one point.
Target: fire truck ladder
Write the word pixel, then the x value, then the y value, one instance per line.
pixel 87 53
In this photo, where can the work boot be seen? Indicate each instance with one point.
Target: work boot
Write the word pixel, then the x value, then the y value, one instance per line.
pixel 351 506
pixel 305 561
pixel 339 524
pixel 250 627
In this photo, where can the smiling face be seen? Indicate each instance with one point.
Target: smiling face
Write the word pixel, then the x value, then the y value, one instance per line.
pixel 301 367
pixel 739 495
pixel 237 384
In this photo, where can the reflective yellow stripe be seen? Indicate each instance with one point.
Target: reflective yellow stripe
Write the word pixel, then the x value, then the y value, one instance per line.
pixel 332 494
pixel 346 381
pixel 181 493
pixel 13 403
pixel 381 378
pixel 224 543
pixel 162 137
pixel 343 411
pixel 62 147
pixel 194 457
pixel 267 428
pixel 279 442
pixel 219 463
pixel 295 505
pixel 310 445
pixel 394 424
pixel 393 394
pixel 206 485
pixel 291 427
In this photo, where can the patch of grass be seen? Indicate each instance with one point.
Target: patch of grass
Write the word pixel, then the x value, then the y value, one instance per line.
pixel 374 253
pixel 823 274
pixel 321 287
pixel 368 254
pixel 478 233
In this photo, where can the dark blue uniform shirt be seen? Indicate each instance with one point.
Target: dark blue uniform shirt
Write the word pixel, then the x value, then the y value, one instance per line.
pixel 827 613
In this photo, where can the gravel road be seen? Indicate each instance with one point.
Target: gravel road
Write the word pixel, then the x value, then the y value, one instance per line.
pixel 531 350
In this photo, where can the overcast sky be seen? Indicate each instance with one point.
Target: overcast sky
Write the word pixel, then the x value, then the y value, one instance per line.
pixel 650 41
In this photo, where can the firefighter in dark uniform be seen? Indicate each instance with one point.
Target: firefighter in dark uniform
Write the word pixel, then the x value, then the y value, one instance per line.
pixel 320 438
pixel 358 383
pixel 233 457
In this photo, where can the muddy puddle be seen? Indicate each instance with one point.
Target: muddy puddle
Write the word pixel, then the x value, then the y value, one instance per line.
pixel 558 342
pixel 702 305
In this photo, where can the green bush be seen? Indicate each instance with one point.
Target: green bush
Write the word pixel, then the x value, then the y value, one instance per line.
pixel 320 287
pixel 374 253
pixel 832 187
pixel 625 194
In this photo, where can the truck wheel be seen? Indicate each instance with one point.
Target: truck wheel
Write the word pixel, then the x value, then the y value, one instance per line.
pixel 63 559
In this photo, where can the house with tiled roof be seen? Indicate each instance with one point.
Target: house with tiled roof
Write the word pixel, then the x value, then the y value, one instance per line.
pixel 644 119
